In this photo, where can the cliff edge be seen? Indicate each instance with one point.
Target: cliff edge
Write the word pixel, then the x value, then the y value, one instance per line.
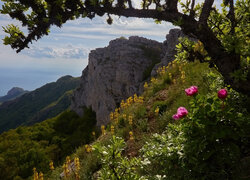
pixel 119 70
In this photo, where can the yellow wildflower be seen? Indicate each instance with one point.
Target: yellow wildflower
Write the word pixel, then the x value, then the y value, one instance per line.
pixel 157 111
pixel 124 116
pixel 40 176
pixel 122 104
pixel 66 170
pixel 130 120
pixel 68 160
pixel 170 75
pixel 112 129
pixel 153 80
pixel 141 99
pixel 88 148
pixel 77 163
pixel 103 129
pixel 35 174
pixel 135 98
pixel 116 114
pixel 116 120
pixel 51 165
pixel 131 136
pixel 111 116
pixel 77 176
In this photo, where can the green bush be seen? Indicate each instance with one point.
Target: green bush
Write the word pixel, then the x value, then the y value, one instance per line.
pixel 114 165
pixel 207 144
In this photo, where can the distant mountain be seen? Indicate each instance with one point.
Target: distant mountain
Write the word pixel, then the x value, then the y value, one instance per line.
pixel 38 105
pixel 12 94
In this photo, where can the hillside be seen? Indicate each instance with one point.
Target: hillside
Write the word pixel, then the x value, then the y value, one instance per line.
pixel 26 147
pixel 147 140
pixel 12 94
pixel 38 105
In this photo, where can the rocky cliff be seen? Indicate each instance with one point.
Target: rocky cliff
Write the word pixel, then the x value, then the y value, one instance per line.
pixel 169 48
pixel 119 71
pixel 115 73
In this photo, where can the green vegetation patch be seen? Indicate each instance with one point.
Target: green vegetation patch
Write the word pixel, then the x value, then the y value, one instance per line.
pixel 24 148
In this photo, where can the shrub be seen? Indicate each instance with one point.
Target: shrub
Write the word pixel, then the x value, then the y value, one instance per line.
pixel 207 144
pixel 114 165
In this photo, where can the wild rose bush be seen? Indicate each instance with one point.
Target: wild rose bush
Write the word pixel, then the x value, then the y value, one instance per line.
pixel 181 112
pixel 191 91
pixel 207 143
pixel 222 94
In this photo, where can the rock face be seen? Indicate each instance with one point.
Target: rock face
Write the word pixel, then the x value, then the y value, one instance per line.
pixel 169 48
pixel 119 71
pixel 115 73
pixel 170 45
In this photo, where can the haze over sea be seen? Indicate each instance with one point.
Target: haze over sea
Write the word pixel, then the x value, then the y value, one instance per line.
pixel 29 79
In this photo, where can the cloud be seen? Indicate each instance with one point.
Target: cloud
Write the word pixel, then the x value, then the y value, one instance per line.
pixel 67 52
pixel 81 35
pixel 102 32
pixel 121 27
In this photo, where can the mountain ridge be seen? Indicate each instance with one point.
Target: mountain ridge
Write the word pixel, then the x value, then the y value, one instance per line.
pixel 33 107
pixel 13 93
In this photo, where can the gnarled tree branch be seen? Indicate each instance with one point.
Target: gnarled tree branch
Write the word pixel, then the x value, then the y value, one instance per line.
pixel 192 12
pixel 206 11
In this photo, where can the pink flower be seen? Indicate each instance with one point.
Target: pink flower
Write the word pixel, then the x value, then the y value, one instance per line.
pixel 181 112
pixel 222 94
pixel 191 91
pixel 175 117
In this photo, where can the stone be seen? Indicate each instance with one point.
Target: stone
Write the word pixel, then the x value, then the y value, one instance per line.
pixel 114 73
pixel 169 48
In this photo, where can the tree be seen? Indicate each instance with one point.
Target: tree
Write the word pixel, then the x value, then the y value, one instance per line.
pixel 225 35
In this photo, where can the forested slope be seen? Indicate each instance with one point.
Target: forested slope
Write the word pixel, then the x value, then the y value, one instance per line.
pixel 38 105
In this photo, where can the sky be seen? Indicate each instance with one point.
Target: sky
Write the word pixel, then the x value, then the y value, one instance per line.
pixel 65 50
